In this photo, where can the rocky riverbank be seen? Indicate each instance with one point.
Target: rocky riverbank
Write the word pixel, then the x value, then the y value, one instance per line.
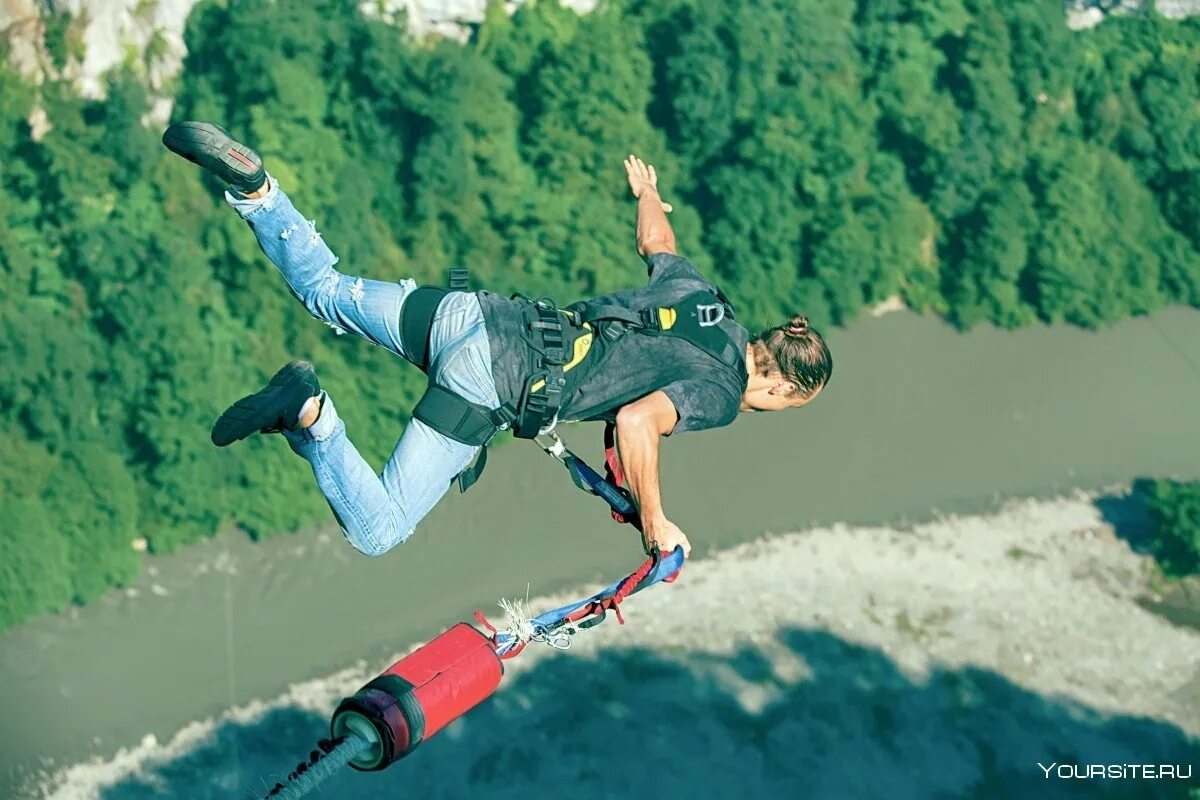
pixel 949 658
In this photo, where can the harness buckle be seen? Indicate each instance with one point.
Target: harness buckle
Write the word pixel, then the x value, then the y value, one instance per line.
pixel 612 329
pixel 547 327
pixel 710 314
pixel 649 318
pixel 459 279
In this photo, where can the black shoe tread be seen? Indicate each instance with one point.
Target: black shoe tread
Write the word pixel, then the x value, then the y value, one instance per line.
pixel 211 147
pixel 273 408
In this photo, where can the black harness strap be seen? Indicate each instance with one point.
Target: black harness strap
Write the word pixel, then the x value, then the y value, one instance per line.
pixel 589 312
pixel 698 319
pixel 457 417
pixel 541 397
pixel 416 320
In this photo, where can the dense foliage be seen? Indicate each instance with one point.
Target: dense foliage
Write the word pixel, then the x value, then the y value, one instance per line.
pixel 975 158
pixel 1175 509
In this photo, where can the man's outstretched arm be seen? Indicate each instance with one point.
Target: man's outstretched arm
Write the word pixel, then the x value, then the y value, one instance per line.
pixel 654 234
pixel 640 426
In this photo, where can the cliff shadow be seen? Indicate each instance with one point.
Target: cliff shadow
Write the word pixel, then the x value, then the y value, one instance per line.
pixel 1129 516
pixel 817 718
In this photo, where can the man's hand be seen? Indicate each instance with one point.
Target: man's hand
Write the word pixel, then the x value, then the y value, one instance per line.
pixel 642 178
pixel 664 535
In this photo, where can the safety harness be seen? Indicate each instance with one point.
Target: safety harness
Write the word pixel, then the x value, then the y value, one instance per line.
pixel 558 340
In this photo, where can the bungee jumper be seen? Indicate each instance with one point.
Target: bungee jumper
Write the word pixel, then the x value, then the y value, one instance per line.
pixel 657 360
pixel 653 361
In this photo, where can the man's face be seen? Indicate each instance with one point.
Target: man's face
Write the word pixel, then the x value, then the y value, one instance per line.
pixel 781 396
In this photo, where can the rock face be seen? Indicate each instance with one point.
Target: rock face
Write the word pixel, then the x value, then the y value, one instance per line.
pixel 96 35
pixel 22 28
pixel 99 35
pixel 1177 9
pixel 1083 14
pixel 102 34
pixel 451 18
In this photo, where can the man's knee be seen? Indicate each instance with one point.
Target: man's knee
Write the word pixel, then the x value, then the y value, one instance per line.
pixel 372 547
pixel 322 296
pixel 373 544
pixel 388 529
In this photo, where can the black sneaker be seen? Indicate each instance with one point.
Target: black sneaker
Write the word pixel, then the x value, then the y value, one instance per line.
pixel 214 149
pixel 275 408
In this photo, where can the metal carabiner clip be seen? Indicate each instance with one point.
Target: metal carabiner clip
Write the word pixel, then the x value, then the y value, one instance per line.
pixel 555 448
pixel 559 639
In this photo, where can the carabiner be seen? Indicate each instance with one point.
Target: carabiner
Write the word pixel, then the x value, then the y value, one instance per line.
pixel 556 448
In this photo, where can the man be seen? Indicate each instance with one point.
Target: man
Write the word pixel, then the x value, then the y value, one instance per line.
pixel 664 358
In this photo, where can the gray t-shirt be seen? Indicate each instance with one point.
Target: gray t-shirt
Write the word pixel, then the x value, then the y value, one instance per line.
pixel 705 392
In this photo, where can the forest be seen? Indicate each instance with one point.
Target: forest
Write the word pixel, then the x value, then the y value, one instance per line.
pixel 975 159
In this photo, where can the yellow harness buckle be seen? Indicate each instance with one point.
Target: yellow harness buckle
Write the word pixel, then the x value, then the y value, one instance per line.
pixel 583 346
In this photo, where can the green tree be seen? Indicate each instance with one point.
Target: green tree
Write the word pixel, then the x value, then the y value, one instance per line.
pixel 992 252
pixel 1175 509
pixel 34 568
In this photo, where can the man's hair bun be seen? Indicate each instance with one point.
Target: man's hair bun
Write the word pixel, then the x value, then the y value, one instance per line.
pixel 798 325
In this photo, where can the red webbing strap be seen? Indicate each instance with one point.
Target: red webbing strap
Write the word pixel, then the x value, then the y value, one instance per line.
pixel 613 601
pixel 612 463
pixel 592 609
pixel 596 608
pixel 614 473
pixel 516 649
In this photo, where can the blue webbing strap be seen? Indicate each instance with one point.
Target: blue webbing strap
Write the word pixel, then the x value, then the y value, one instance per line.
pixel 665 568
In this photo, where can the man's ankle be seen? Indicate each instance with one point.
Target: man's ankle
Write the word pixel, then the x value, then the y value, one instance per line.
pixel 310 412
pixel 258 193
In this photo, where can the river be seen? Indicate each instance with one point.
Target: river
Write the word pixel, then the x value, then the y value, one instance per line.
pixel 918 420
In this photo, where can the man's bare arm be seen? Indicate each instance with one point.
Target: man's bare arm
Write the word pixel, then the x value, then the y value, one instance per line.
pixel 640 427
pixel 654 234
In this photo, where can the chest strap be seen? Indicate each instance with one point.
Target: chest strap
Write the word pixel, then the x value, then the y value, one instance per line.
pixel 542 394
pixel 696 318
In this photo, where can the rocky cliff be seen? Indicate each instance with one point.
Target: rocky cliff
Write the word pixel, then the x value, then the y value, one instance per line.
pixel 82 40
pixel 1083 14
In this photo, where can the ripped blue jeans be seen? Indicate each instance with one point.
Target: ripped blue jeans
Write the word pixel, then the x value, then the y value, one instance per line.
pixel 375 512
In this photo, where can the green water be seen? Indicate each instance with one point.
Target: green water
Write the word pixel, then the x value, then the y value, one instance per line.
pixel 918 420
